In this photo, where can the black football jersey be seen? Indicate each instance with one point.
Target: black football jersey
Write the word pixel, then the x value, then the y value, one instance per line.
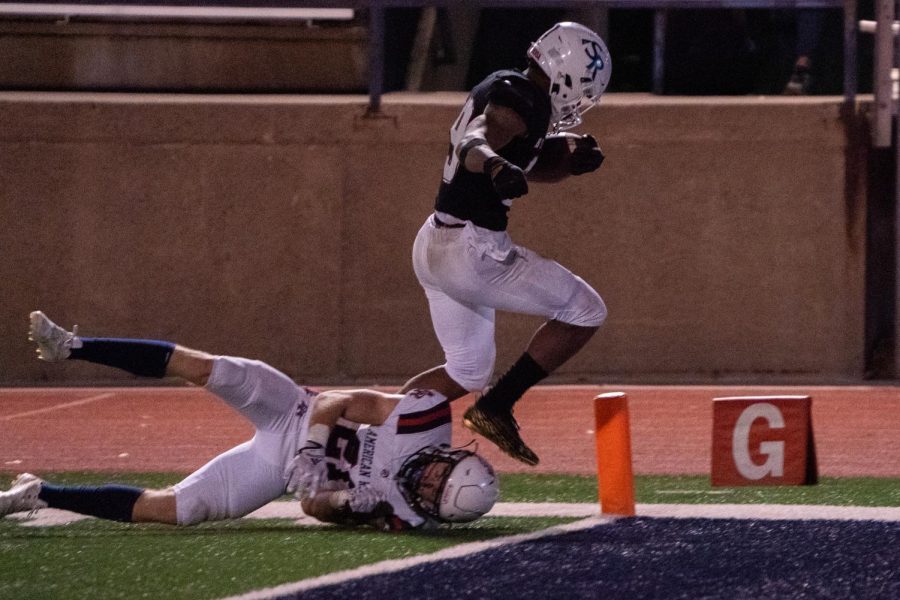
pixel 470 196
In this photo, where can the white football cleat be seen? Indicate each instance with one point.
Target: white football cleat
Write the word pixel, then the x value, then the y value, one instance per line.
pixel 22 496
pixel 54 342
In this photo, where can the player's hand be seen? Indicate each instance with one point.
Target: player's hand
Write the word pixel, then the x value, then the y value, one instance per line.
pixel 509 180
pixel 361 499
pixel 586 156
pixel 307 472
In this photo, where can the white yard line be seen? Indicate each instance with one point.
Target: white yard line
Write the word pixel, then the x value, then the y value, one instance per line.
pixel 390 566
pixel 55 407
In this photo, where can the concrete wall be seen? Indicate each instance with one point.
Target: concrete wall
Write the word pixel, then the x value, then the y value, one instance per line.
pixel 183 57
pixel 726 235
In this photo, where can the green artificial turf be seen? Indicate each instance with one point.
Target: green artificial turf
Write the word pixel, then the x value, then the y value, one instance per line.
pixel 650 489
pixel 101 559
pixel 696 489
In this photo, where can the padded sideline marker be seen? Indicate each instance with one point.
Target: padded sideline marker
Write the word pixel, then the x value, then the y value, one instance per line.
pixel 763 440
pixel 615 479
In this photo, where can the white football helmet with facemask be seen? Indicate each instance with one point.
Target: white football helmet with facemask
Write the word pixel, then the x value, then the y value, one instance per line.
pixel 448 485
pixel 579 66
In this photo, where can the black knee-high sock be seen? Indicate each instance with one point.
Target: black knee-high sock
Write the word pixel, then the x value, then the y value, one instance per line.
pixel 515 382
pixel 112 501
pixel 147 358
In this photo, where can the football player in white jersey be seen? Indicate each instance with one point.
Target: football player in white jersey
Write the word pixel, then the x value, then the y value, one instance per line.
pixel 510 132
pixel 357 457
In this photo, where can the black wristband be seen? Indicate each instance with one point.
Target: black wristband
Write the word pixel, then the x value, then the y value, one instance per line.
pixel 464 149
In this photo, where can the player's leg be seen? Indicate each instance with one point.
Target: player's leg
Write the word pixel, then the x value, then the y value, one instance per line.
pixel 110 501
pixel 464 330
pixel 231 485
pixel 531 284
pixel 436 379
pixel 555 342
pixel 146 358
pixel 267 397
pixel 466 334
pixel 156 506
pixel 252 474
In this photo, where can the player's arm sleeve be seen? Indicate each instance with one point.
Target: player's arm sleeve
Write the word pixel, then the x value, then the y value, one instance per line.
pixel 503 119
pixel 325 507
pixel 359 406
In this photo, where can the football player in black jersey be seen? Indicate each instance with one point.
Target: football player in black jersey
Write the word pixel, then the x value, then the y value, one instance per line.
pixel 510 131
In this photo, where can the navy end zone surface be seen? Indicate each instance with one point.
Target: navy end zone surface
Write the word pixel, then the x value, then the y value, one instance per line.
pixel 663 558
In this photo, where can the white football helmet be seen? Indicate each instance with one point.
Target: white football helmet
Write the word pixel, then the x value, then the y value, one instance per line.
pixel 447 485
pixel 579 66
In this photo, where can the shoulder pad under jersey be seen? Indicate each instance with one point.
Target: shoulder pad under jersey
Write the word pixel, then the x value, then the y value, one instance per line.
pixel 513 93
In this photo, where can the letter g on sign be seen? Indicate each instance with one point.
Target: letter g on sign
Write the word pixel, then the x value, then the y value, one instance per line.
pixel 740 443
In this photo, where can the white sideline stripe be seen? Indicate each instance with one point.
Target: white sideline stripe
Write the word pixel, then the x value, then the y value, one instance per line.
pixel 770 512
pixel 390 566
pixel 49 517
pixel 55 407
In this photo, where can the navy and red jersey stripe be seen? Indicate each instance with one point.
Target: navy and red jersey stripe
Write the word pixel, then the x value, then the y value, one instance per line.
pixel 423 420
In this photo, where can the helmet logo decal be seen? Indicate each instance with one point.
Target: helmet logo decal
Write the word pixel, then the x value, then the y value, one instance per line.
pixel 595 54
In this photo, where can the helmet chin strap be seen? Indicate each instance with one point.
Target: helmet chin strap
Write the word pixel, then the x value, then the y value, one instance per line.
pixel 472 442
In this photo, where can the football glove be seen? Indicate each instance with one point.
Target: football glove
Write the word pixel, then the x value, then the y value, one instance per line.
pixel 586 156
pixel 508 180
pixel 361 499
pixel 307 472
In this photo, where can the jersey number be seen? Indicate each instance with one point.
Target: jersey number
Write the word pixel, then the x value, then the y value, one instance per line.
pixel 343 449
pixel 456 134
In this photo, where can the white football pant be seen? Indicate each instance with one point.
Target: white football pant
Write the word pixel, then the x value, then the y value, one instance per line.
pixel 468 273
pixel 252 474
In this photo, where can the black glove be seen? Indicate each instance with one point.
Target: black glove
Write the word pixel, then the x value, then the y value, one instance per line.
pixel 509 180
pixel 586 156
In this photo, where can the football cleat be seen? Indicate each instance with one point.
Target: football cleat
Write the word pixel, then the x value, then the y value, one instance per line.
pixel 54 343
pixel 22 496
pixel 499 427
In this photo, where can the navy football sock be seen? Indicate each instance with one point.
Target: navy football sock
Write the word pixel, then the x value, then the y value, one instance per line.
pixel 515 382
pixel 112 501
pixel 147 358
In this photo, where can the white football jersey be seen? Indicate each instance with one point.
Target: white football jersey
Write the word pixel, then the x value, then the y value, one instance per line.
pixel 372 454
